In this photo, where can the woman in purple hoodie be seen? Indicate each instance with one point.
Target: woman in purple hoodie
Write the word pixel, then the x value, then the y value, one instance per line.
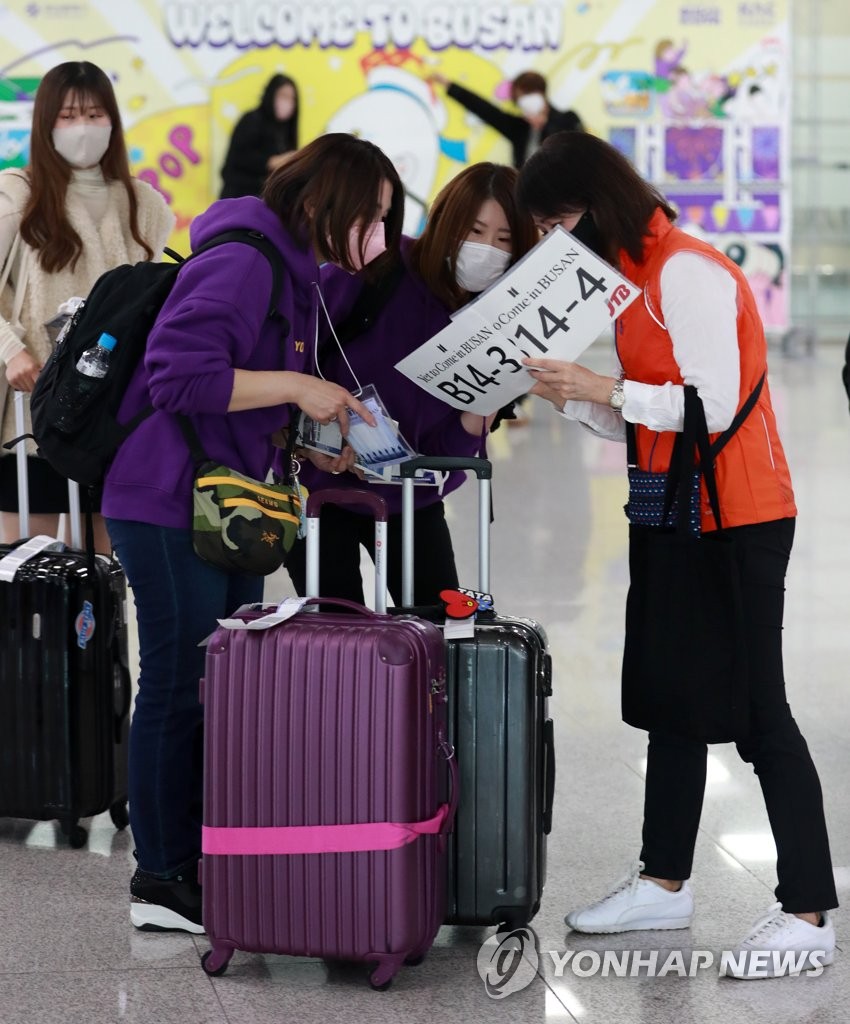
pixel 474 233
pixel 215 357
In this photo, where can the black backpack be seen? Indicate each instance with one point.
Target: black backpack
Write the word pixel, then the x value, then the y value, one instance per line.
pixel 124 302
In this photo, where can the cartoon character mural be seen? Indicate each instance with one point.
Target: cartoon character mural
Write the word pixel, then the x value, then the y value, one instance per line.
pixel 764 265
pixel 16 101
pixel 402 114
pixel 713 141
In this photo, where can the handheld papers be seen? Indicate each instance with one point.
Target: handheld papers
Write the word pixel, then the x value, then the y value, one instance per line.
pixel 553 304
pixel 376 447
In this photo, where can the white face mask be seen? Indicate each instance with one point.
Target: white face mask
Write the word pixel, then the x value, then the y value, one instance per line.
pixel 82 145
pixel 478 266
pixel 532 103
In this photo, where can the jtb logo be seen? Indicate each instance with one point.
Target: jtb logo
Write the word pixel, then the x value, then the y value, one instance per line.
pixel 84 625
pixel 508 963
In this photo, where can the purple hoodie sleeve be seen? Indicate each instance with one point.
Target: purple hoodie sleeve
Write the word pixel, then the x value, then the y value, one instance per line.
pixel 209 326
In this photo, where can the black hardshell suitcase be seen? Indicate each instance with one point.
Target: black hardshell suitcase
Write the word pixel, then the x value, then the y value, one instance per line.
pixel 498 683
pixel 64 683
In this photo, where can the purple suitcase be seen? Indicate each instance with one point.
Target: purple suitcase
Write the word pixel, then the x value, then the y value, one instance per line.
pixel 327 720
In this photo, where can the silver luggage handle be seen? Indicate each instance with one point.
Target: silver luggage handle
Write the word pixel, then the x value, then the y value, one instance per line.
pixel 23 484
pixel 352 498
pixel 483 469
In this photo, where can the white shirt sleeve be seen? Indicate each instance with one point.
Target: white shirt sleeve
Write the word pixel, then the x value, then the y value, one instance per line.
pixel 699 304
pixel 598 419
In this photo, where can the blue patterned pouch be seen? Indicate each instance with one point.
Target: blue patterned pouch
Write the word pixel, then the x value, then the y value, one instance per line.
pixel 647 495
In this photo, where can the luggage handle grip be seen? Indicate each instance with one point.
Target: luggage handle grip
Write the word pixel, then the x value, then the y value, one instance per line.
pixel 549 758
pixel 23 483
pixel 347 498
pixel 482 468
pixel 454 782
pixel 342 602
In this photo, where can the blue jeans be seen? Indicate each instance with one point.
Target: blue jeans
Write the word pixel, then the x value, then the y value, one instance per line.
pixel 178 599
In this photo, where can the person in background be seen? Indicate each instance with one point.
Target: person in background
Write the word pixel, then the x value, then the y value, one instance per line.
pixel 215 357
pixel 262 140
pixel 668 57
pixel 474 233
pixel 526 131
pixel 73 213
pixel 696 323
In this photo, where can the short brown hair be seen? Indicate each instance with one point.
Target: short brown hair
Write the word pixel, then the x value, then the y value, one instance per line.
pixel 331 186
pixel 45 225
pixel 528 81
pixel 452 217
pixel 575 171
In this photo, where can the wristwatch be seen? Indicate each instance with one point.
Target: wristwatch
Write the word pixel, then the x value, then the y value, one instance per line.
pixel 617 398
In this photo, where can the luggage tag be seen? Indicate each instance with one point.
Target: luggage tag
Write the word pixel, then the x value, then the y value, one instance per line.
pixel 10 563
pixel 285 610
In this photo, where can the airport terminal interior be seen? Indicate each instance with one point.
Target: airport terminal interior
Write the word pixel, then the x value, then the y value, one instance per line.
pixel 559 556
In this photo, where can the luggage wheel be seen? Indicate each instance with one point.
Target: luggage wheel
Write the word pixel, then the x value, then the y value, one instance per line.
pixel 382 977
pixel 215 962
pixel 75 833
pixel 119 815
pixel 506 927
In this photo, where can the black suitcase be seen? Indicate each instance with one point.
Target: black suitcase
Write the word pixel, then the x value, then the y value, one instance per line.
pixel 64 682
pixel 498 684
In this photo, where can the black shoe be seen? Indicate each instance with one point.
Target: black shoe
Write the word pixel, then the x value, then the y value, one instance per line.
pixel 166 905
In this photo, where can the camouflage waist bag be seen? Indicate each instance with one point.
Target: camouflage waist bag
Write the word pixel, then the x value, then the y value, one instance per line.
pixel 240 524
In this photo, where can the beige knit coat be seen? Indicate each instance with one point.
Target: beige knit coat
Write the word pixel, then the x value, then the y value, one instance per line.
pixel 105 245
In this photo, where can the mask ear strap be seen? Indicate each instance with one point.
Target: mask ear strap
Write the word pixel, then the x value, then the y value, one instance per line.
pixel 336 339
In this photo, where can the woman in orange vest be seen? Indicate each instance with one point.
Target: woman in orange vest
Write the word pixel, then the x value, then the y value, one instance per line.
pixel 697 324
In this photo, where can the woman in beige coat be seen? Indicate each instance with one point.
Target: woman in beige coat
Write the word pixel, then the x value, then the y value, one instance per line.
pixel 71 214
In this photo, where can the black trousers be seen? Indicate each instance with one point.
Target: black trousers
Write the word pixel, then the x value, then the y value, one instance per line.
pixel 676 769
pixel 342 533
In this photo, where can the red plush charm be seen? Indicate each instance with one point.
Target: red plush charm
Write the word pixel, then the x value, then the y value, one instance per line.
pixel 459 605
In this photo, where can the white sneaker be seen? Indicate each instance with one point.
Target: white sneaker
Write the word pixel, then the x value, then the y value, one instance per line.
pixel 780 945
pixel 636 904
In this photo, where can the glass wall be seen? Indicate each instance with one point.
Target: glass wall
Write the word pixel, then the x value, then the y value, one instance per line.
pixel 820 164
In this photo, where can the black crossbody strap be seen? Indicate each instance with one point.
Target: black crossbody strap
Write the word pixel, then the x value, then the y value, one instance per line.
pixel 193 442
pixel 695 415
pixel 708 452
pixel 745 410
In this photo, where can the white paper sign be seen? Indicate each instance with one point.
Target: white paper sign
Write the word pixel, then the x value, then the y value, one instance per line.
pixel 553 304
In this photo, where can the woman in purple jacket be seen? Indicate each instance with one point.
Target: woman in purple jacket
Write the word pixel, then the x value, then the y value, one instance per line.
pixel 474 233
pixel 216 357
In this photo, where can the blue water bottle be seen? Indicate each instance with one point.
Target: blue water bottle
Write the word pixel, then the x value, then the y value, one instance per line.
pixel 92 366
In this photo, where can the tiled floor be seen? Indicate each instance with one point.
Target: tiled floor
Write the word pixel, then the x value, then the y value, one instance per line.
pixel 68 954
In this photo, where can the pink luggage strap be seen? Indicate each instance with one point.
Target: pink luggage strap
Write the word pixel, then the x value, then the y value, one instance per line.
pixel 300 839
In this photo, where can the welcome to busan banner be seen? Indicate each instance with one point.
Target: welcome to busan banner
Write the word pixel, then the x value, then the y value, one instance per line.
pixel 695 94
